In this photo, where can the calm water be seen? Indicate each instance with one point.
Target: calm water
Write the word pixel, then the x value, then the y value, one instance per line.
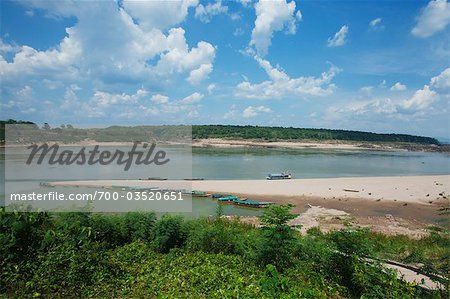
pixel 307 163
pixel 212 163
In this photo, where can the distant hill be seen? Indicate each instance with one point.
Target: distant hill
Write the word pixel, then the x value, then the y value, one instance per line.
pixel 67 133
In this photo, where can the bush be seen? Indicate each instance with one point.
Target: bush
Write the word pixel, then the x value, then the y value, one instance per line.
pixel 279 237
pixel 169 233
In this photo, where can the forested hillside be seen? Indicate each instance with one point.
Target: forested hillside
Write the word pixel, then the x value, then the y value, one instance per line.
pixel 280 133
pixel 68 133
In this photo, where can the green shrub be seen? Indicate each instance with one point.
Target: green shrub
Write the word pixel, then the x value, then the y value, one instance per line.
pixel 279 237
pixel 169 233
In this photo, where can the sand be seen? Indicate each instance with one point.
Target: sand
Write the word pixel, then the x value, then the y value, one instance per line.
pixel 406 189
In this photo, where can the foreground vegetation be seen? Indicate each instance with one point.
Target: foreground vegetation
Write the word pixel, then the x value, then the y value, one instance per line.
pixel 137 255
pixel 67 133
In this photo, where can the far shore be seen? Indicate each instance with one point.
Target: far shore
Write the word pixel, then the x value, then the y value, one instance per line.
pixel 282 144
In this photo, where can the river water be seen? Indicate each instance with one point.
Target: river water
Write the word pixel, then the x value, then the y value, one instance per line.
pixel 235 164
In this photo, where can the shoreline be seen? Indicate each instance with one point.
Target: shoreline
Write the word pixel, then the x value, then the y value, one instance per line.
pixel 405 208
pixel 262 144
pixel 403 189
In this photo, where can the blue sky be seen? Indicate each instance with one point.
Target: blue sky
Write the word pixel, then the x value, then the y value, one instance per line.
pixel 380 66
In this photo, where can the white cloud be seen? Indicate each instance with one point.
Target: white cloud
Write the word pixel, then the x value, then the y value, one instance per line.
pixel 339 38
pixel 146 110
pixel 375 23
pixel 159 99
pixel 7 48
pixel 433 18
pixel 105 99
pixel 280 84
pixel 418 104
pixel 178 58
pixel 197 75
pixel 272 16
pixel 132 53
pixel 441 81
pixel 159 14
pixel 193 98
pixel 398 87
pixel 205 13
pixel 251 111
pixel 421 99
pixel 211 88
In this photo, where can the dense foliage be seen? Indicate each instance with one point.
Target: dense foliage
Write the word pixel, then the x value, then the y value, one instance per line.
pixel 139 256
pixel 67 133
pixel 280 133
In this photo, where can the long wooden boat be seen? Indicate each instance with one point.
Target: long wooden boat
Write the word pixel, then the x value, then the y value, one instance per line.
pixel 218 195
pixel 252 204
pixel 279 176
pixel 199 193
pixel 228 199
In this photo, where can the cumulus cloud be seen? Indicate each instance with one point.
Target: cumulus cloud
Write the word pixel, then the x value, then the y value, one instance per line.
pixel 398 87
pixel 421 99
pixel 280 84
pixel 105 99
pixel 205 13
pixel 198 75
pixel 193 98
pixel 339 38
pixel 441 81
pixel 132 53
pixel 419 103
pixel 159 99
pixel 159 14
pixel 272 16
pixel 251 111
pixel 433 18
pixel 179 58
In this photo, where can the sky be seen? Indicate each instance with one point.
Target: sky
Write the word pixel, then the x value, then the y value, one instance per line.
pixel 378 66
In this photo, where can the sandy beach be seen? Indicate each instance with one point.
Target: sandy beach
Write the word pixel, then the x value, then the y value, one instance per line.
pixel 408 189
pixel 390 205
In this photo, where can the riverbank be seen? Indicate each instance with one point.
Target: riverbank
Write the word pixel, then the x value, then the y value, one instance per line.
pixel 407 189
pixel 414 198
pixel 323 145
pixel 259 143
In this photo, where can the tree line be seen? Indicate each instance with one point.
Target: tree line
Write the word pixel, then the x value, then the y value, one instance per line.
pixel 67 133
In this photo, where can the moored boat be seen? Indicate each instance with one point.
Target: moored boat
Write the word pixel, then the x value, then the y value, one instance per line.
pixel 218 195
pixel 199 193
pixel 228 199
pixel 252 204
pixel 279 176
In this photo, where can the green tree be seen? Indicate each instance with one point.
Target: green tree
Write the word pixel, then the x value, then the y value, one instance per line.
pixel 279 237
